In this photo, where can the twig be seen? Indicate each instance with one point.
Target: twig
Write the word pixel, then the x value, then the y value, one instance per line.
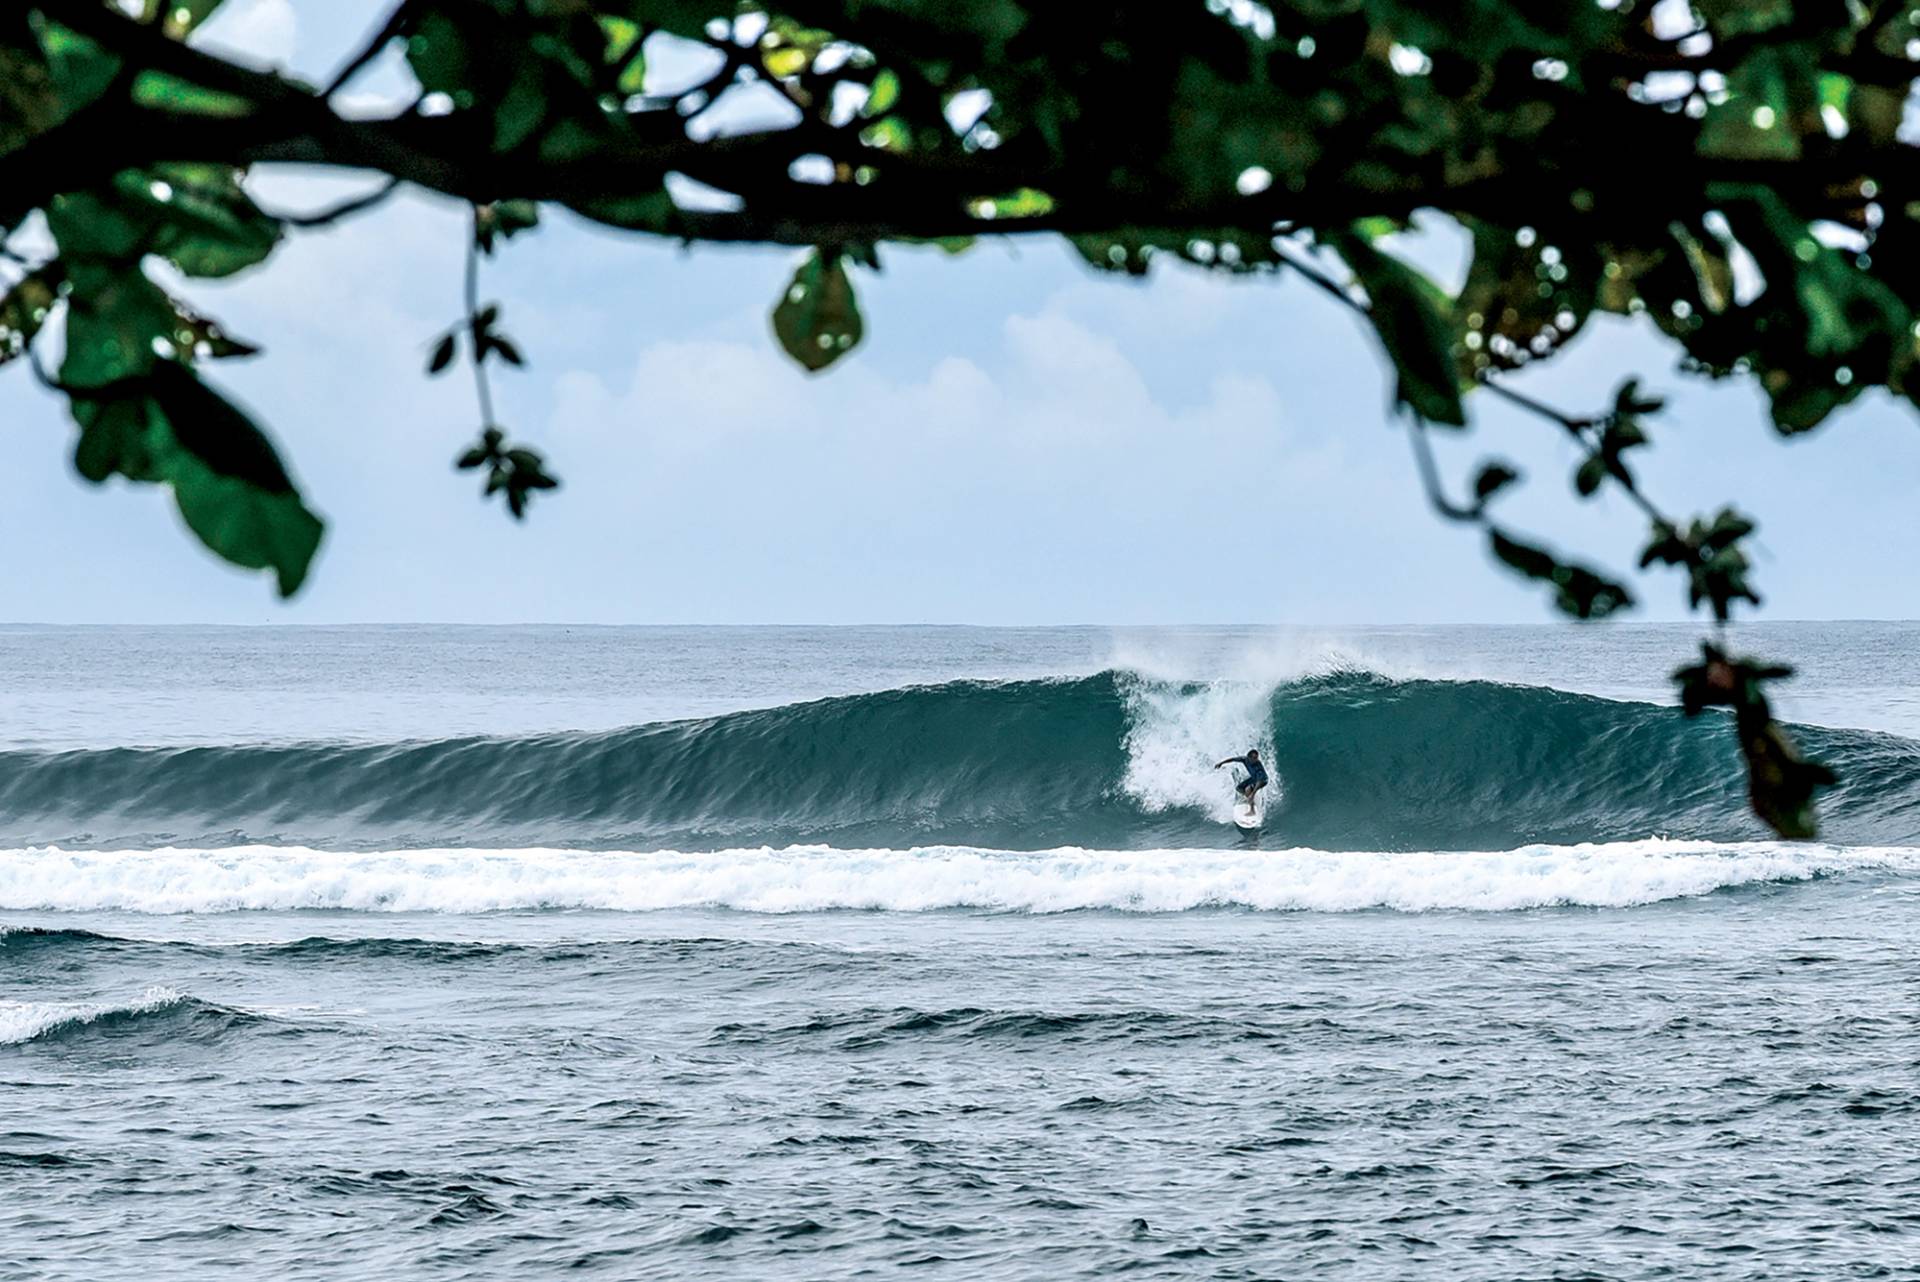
pixel 391 29
pixel 1579 429
pixel 1430 478
pixel 345 209
pixel 473 324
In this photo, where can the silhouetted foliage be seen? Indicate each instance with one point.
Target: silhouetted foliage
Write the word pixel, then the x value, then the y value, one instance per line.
pixel 1733 174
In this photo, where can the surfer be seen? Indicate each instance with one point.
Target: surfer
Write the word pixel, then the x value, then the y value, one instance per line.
pixel 1256 773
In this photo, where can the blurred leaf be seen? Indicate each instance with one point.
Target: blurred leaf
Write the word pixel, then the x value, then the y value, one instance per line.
pixel 1523 298
pixel 1412 317
pixel 196 216
pixel 818 319
pixel 1578 591
pixel 443 354
pixel 117 321
pixel 25 308
pixel 884 93
pixel 514 470
pixel 1132 250
pixel 624 54
pixel 503 220
pixel 1780 782
pixel 1710 551
pixel 168 427
pixel 1491 479
pixel 167 92
pixel 180 16
pixel 1629 400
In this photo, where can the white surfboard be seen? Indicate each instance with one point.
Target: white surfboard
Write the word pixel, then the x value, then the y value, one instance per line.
pixel 1246 814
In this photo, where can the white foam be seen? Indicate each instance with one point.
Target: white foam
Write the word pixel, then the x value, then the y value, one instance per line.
pixel 1177 732
pixel 24 1021
pixel 816 878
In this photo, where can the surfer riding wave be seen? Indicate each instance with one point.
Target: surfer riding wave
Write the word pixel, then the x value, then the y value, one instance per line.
pixel 1256 779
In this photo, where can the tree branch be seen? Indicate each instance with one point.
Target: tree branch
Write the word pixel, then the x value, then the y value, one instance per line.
pixel 345 209
pixel 390 30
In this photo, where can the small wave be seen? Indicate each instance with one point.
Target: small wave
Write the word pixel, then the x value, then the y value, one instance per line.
pixel 34 1021
pixel 19 941
pixel 820 878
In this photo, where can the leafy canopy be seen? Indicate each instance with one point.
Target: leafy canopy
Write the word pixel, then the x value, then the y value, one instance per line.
pixel 1733 174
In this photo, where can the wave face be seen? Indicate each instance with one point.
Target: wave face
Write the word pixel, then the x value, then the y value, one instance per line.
pixel 816 879
pixel 1113 761
pixel 33 1021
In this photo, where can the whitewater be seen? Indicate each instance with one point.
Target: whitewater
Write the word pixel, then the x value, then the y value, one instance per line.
pixel 709 953
pixel 800 879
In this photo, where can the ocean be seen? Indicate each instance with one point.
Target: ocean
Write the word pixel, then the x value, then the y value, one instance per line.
pixel 716 953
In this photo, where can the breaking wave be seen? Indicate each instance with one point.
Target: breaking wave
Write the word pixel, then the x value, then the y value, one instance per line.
pixel 813 879
pixel 1113 761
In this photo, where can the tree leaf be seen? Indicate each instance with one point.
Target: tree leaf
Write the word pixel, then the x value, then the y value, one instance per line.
pixel 25 309
pixel 231 489
pixel 181 16
pixel 1493 478
pixel 1410 314
pixel 818 319
pixel 195 215
pixel 116 321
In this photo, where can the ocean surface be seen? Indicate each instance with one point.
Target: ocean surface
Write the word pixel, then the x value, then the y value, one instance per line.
pixel 711 953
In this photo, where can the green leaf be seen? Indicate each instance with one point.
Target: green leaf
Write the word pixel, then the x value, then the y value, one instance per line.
pixel 29 103
pixel 169 427
pixel 1411 316
pixel 1578 591
pixel 624 53
pixel 182 16
pixel 1591 472
pixel 195 215
pixel 1629 400
pixel 652 211
pixel 884 93
pixel 818 319
pixel 117 321
pixel 1027 202
pixel 79 69
pixel 443 354
pixel 1780 782
pixel 1493 478
pixel 511 217
pixel 25 309
pixel 1131 250
pixel 1525 296
pixel 164 91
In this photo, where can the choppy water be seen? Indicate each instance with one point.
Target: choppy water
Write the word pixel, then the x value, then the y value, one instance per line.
pixel 718 954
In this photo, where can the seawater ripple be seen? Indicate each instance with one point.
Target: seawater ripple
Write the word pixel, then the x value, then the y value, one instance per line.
pixel 1113 761
pixel 817 878
pixel 1718 1090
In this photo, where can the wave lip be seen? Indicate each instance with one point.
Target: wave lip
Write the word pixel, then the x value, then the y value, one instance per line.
pixel 822 878
pixel 22 1022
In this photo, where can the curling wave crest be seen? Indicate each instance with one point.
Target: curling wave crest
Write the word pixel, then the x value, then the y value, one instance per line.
pixel 1115 761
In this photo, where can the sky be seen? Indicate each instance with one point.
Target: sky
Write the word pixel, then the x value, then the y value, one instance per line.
pixel 1017 441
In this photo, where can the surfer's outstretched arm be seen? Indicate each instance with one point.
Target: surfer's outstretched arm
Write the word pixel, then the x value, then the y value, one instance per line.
pixel 1230 761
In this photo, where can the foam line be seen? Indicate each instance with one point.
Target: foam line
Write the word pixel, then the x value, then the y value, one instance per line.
pixel 818 878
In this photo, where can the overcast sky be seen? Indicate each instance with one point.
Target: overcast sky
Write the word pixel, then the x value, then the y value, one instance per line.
pixel 1017 441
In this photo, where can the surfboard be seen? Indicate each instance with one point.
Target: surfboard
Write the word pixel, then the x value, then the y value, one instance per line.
pixel 1246 814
